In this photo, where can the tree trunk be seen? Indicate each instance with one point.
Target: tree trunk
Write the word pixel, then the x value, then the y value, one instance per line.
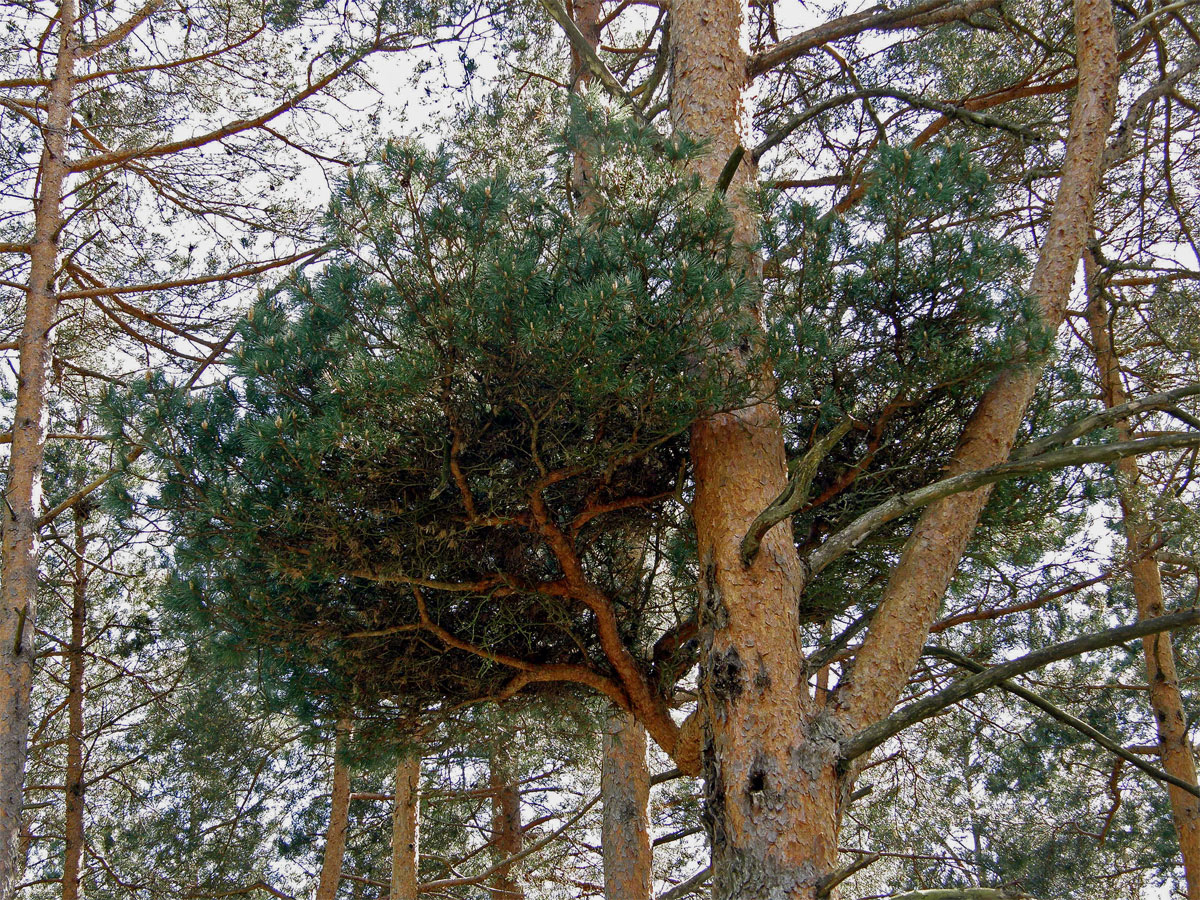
pixel 933 551
pixel 770 791
pixel 507 837
pixel 339 817
pixel 1174 748
pixel 586 15
pixel 406 815
pixel 624 774
pixel 73 854
pixel 23 492
pixel 625 793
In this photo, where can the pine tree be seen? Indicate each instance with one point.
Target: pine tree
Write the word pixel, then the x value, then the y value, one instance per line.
pixel 418 452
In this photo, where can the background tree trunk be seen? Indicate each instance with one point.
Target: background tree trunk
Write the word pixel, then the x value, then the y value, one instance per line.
pixel 73 830
pixel 1175 749
pixel 625 793
pixel 406 814
pixel 339 817
pixel 23 492
pixel 507 837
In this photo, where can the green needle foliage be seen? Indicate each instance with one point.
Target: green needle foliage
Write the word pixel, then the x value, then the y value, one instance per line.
pixel 478 364
pixel 897 314
pixel 427 454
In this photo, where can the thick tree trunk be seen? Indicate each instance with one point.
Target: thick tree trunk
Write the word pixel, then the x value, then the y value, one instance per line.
pixel 625 793
pixel 339 817
pixel 72 888
pixel 770 786
pixel 406 815
pixel 23 494
pixel 507 837
pixel 1174 747
pixel 769 756
pixel 933 551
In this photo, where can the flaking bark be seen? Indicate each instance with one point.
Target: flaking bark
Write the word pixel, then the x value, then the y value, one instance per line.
pixel 770 785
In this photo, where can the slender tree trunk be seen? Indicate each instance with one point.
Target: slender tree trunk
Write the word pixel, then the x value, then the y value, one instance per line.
pixel 339 817
pixel 625 793
pixel 1174 747
pixel 933 551
pixel 507 837
pixel 406 815
pixel 625 828
pixel 625 775
pixel 586 15
pixel 72 887
pixel 23 495
pixel 771 791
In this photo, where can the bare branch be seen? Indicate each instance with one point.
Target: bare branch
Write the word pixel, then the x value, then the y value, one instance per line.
pixel 686 887
pixel 1080 427
pixel 949 110
pixel 122 31
pixel 431 886
pixel 826 885
pixel 862 527
pixel 874 735
pixel 1067 719
pixel 117 157
pixel 919 15
pixel 795 495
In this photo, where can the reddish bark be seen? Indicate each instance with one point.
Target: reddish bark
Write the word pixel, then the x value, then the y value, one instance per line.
pixel 770 785
pixel 339 818
pixel 507 838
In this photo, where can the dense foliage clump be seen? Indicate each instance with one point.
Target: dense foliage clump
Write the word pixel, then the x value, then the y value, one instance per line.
pixel 432 456
pixel 477 365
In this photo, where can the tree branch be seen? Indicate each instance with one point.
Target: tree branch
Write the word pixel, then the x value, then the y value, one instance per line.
pixel 1067 719
pixel 122 31
pixel 862 527
pixel 972 893
pixel 590 59
pixel 826 885
pixel 686 887
pixel 795 494
pixel 1078 428
pixel 431 886
pixel 949 110
pixel 874 735
pixel 918 15
pixel 117 157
